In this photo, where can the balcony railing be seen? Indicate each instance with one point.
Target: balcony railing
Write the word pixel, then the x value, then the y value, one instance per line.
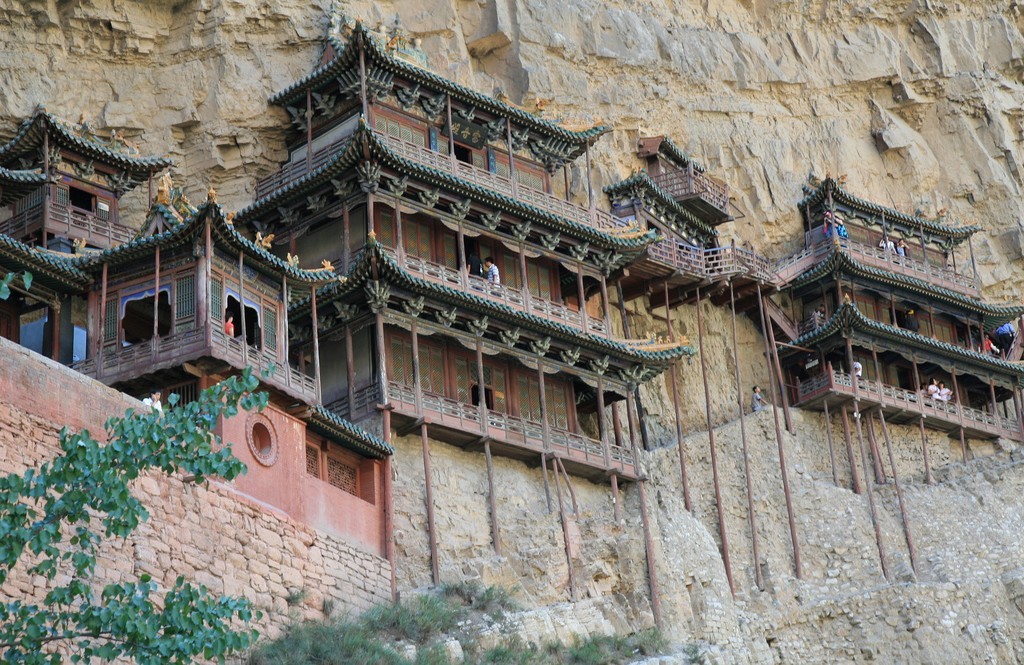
pixel 684 184
pixel 65 221
pixel 517 298
pixel 511 429
pixel 909 400
pixel 732 260
pixel 294 170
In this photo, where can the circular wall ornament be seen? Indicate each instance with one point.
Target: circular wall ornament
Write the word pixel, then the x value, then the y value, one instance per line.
pixel 262 440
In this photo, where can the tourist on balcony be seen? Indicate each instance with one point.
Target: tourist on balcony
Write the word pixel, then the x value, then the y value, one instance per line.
pixel 229 325
pixel 841 229
pixel 945 394
pixel 933 389
pixel 858 369
pixel 1004 337
pixel 887 244
pixel 911 323
pixel 818 317
pixel 153 401
pixel 493 276
pixel 474 265
pixel 757 400
pixel 901 248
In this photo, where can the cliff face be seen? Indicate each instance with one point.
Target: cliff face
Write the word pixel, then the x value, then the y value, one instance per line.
pixel 919 103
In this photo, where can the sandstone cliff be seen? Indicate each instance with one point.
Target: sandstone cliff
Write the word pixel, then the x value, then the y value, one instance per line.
pixel 918 102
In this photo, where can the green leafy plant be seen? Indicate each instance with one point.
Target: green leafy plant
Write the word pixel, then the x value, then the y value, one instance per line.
pixel 56 516
pixel 6 280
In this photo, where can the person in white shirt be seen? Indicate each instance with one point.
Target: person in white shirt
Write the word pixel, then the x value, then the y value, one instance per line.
pixel 153 401
pixel 493 276
pixel 945 394
pixel 858 370
pixel 933 389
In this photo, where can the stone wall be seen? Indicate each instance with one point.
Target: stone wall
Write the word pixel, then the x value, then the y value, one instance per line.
pixel 212 535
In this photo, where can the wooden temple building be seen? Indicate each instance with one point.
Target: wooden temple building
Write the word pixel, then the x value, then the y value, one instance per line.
pixel 901 317
pixel 459 289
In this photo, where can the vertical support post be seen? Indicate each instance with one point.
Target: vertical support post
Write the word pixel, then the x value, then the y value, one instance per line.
pixel 481 387
pixel 565 527
pixel 797 564
pixel 309 128
pixel 346 236
pixel 854 473
pixel 545 420
pixel 492 498
pixel 428 484
pixel 511 160
pixel 316 340
pixel 451 131
pixel 711 445
pixel 156 304
pixel 417 387
pixel 831 449
pixel 675 403
pixel 241 309
pixel 282 331
pixel 755 546
pixel 636 392
pixel 350 371
pixel 102 332
pixel 959 413
pixel 582 295
pixel 463 264
pixel 362 82
pixel 652 573
pixel 924 436
pixel 911 550
pixel 590 184
pixel 525 281
pixel 604 304
pixel 615 498
pixel 47 188
pixel 389 510
pixel 207 271
pixel 399 240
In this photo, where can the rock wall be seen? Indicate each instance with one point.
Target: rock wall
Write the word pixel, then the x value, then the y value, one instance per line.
pixel 918 102
pixel 212 535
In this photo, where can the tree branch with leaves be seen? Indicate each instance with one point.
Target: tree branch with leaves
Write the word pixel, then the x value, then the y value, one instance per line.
pixel 57 515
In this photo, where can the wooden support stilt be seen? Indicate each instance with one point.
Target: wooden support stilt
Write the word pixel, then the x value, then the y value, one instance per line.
pixel 831 449
pixel 780 444
pixel 616 503
pixel 920 422
pixel 960 413
pixel 675 403
pixel 876 460
pixel 869 491
pixel 758 579
pixel 568 484
pixel 638 407
pixel 429 498
pixel 492 499
pixel 854 475
pixel 652 573
pixel 711 445
pixel 565 529
pixel 547 487
pixel 899 494
pixel 389 509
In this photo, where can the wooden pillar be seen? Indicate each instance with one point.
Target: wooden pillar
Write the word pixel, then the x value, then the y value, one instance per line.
pixel 582 295
pixel 511 160
pixel 604 304
pixel 911 550
pixel 481 387
pixel 309 128
pixel 492 498
pixel 675 403
pixel 346 236
pixel 399 241
pixel 1017 409
pixel 755 546
pixel 428 484
pixel 350 369
pixel 854 474
pixel 636 391
pixel 784 472
pixel 48 188
pixel 417 388
pixel 282 328
pixel 590 184
pixel 924 436
pixel 207 265
pixel 524 282
pixel 565 179
pixel 545 420
pixel 102 332
pixel 652 574
pixel 711 445
pixel 316 340
pixel 451 131
pixel 241 309
pixel 565 528
pixel 389 510
pixel 616 503
pixel 960 414
pixel 156 304
pixel 831 449
pixel 463 264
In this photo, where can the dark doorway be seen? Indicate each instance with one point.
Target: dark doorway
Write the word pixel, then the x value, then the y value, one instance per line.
pixel 138 318
pixel 252 321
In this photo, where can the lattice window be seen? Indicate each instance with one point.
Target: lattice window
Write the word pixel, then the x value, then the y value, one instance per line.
pixel 400 361
pixel 416 238
pixel 110 322
pixel 495 380
pixel 342 476
pixel 450 251
pixel 103 209
pixel 386 228
pixel 62 197
pixel 538 278
pixel 510 271
pixel 431 369
pixel 528 394
pixel 396 129
pixel 270 328
pixel 216 299
pixel 462 382
pixel 531 179
pixel 313 461
pixel 185 294
pixel 558 404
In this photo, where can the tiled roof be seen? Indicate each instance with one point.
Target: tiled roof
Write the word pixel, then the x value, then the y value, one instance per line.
pixel 848 317
pixel 666 147
pixel 839 260
pixel 50 269
pixel 189 229
pixel 391 272
pixel 347 57
pixel 813 196
pixel 17 184
pixel 29 139
pixel 643 181
pixel 346 434
pixel 351 154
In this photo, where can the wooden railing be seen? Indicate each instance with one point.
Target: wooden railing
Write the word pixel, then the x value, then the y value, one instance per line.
pixel 731 260
pixel 909 400
pixel 514 430
pixel 233 350
pixel 683 184
pixel 517 298
pixel 67 222
pixel 684 257
pixel 365 403
pixel 294 170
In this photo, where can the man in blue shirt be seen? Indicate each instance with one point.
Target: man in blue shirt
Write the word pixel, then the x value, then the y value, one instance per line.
pixel 1004 337
pixel 492 271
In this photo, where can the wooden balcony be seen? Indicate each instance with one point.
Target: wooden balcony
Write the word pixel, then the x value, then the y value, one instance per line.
pixel 793 266
pixel 131 362
pixel 67 222
pixel 510 436
pixel 516 298
pixel 905 406
pixel 443 162
pixel 708 197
